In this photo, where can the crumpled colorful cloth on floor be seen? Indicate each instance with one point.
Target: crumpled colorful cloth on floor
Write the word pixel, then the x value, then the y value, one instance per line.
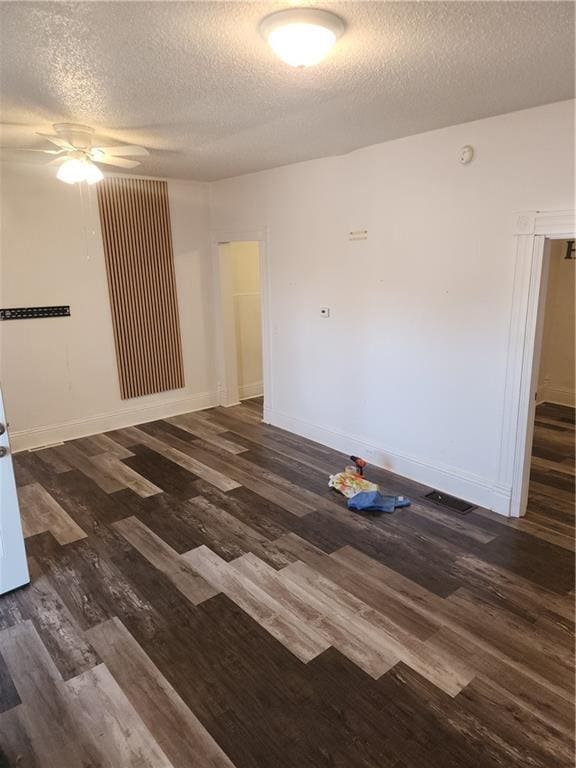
pixel 349 483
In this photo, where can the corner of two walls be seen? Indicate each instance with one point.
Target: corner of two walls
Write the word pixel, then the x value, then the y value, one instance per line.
pixel 59 376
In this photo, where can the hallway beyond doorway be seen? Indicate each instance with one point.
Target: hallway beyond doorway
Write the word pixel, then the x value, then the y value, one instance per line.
pixel 551 491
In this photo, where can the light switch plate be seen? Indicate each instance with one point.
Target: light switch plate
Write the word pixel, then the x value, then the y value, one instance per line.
pixel 324 311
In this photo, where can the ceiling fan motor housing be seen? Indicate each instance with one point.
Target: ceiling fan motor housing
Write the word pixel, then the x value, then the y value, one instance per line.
pixel 79 136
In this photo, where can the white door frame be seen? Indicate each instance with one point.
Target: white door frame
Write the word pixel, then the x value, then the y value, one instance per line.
pixel 531 230
pixel 228 392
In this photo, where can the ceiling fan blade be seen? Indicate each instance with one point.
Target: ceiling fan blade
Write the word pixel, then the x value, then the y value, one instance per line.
pixel 119 162
pixel 31 149
pixel 44 151
pixel 57 140
pixel 126 150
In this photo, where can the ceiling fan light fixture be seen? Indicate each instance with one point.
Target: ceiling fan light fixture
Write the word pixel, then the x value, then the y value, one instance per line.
pixel 302 37
pixel 93 174
pixel 71 171
pixel 75 170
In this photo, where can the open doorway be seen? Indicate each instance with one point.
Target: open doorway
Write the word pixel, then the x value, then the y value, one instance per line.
pixel 552 462
pixel 247 303
pixel 240 311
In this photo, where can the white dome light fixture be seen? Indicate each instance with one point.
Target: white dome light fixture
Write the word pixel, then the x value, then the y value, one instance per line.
pixel 301 37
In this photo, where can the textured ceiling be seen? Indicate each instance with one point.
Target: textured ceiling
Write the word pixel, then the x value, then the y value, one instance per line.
pixel 194 82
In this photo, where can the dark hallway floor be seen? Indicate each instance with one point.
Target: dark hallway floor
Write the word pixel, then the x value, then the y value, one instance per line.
pixel 551 506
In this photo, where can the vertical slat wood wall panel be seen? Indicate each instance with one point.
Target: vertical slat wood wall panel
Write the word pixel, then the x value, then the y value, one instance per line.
pixel 137 237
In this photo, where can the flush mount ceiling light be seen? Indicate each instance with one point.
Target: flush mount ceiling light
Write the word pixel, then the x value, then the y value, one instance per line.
pixel 301 37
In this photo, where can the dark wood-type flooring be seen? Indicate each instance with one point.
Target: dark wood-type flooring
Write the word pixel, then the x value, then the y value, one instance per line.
pixel 201 599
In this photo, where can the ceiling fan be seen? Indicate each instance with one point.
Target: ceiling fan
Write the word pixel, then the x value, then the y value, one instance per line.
pixel 78 158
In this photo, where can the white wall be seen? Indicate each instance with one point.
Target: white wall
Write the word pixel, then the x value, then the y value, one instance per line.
pixel 245 258
pixel 59 375
pixel 410 367
pixel 556 375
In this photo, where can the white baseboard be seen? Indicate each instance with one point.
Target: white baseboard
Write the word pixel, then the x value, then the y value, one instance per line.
pixel 448 479
pixel 247 391
pixel 557 395
pixel 22 440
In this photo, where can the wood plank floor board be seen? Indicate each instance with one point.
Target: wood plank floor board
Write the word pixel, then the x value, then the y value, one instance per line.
pixel 340 640
pixel 81 462
pixel 16 749
pixel 284 494
pixel 279 621
pixel 314 613
pixel 277 439
pixel 377 656
pixel 166 516
pixel 448 674
pixel 513 589
pixel 530 694
pixel 520 639
pixel 111 725
pixel 60 634
pixel 545 531
pixel 270 520
pixel 125 474
pixel 529 556
pixel 491 704
pixel 52 460
pixel 350 580
pixel 163 557
pixel 163 473
pixel 296 471
pixel 230 529
pixel 46 712
pixel 558 413
pixel 146 436
pixel 200 430
pixel 420 558
pixel 22 474
pixel 563 526
pixel 555 464
pixel 455 718
pixel 272 725
pixel 205 530
pixel 82 499
pixel 8 694
pixel 98 444
pixel 552 478
pixel 93 587
pixel 485 638
pixel 41 512
pixel 176 729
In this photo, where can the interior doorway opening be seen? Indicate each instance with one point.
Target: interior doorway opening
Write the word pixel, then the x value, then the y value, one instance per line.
pixel 240 272
pixel 550 492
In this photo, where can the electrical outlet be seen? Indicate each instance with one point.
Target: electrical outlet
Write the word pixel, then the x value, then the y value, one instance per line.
pixel 324 311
